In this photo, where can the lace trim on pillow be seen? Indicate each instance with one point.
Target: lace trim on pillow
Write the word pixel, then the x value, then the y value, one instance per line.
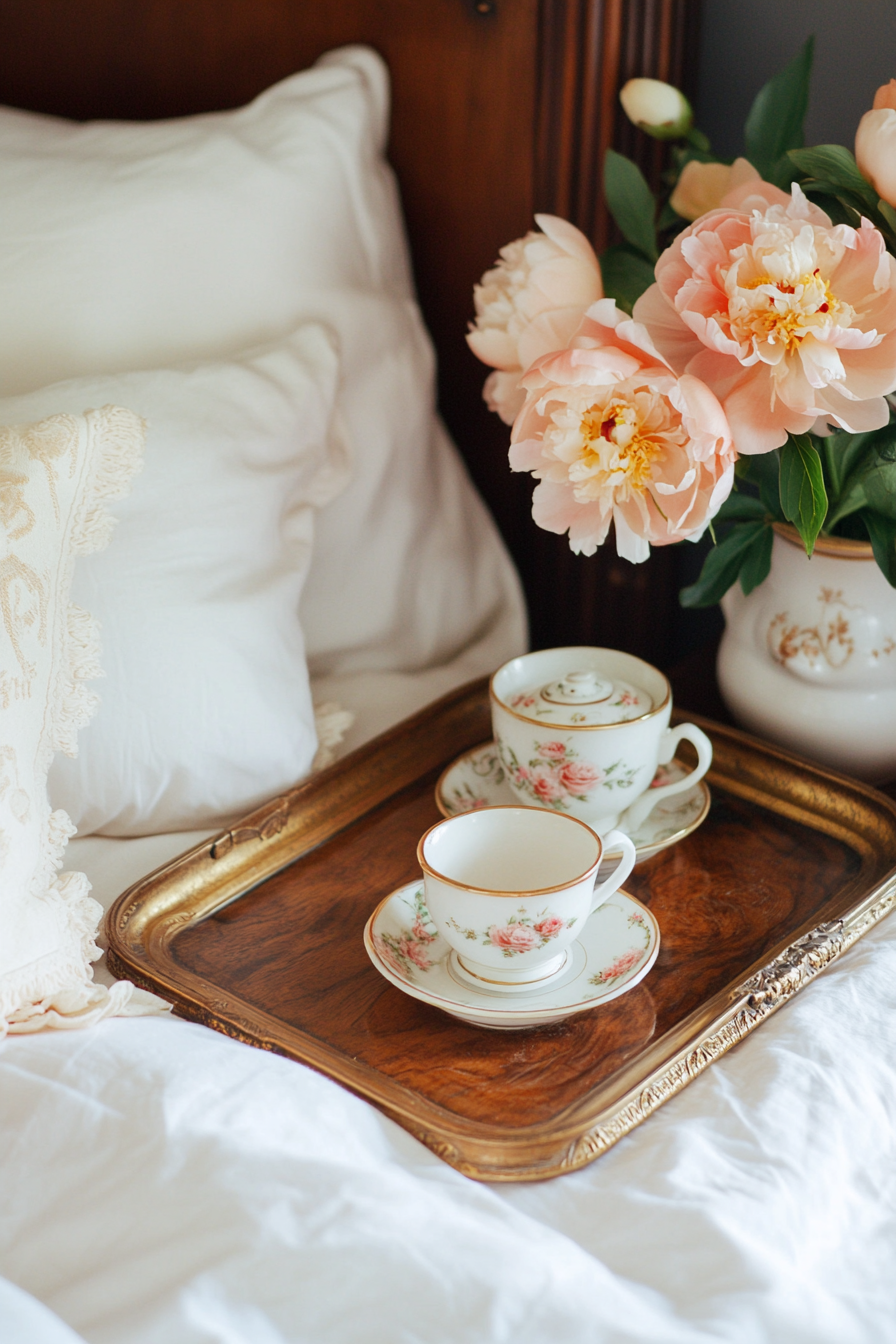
pixel 58 990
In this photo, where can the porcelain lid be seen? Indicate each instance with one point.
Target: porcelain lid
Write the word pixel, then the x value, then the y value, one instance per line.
pixel 582 698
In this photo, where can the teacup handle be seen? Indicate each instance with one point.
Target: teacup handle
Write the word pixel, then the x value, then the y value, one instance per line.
pixel 642 807
pixel 614 840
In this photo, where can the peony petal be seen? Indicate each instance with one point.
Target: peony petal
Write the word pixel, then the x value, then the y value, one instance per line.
pixel 526 455
pixel 858 417
pixel 675 341
pixel 502 393
pixel 567 236
pixel 629 545
pixel 494 346
pixel 756 425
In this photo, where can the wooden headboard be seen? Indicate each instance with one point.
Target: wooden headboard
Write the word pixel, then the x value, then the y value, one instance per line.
pixel 500 108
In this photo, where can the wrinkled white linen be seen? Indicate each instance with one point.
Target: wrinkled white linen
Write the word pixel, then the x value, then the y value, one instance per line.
pixel 162 1184
pixel 27 1321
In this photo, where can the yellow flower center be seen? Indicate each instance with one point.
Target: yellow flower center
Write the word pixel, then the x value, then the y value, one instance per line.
pixel 783 313
pixel 614 441
pixel 606 443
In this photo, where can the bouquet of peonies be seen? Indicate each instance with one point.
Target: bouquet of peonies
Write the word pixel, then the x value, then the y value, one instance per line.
pixel 731 360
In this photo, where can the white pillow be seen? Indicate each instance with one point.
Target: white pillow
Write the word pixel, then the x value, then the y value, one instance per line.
pixel 125 246
pixel 206 710
pixel 54 479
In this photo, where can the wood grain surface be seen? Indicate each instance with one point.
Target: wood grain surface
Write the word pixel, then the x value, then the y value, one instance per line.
pixel 258 933
pixel 294 948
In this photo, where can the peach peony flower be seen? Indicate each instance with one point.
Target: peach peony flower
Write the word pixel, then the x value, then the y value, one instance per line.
pixel 784 316
pixel 876 144
pixel 703 186
pixel 614 436
pixel 531 303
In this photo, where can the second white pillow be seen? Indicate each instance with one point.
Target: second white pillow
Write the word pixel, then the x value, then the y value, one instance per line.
pixel 206 708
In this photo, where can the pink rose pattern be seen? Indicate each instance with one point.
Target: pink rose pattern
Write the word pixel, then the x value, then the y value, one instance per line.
pixel 555 775
pixel 628 960
pixel 410 948
pixel 521 933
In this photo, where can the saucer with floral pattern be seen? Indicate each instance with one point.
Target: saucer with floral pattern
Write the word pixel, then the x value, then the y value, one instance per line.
pixel 477 779
pixel 613 953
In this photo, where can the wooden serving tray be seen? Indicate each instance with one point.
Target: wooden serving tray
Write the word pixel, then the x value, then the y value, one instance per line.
pixel 258 933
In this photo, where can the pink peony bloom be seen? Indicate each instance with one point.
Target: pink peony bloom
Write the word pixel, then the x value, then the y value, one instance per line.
pixel 546 785
pixel 553 751
pixel 786 317
pixel 578 777
pixel 513 937
pixel 703 186
pixel 549 927
pixel 531 303
pixel 614 436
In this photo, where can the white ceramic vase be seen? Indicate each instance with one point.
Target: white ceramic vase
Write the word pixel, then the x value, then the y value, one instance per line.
pixel 809 658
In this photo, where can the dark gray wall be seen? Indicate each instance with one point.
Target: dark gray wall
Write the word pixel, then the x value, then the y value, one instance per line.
pixel 745 42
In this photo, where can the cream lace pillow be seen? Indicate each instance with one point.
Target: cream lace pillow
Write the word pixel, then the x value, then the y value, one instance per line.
pixel 54 479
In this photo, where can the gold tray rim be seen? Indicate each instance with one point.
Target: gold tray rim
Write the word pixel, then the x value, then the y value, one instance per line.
pixel 146 919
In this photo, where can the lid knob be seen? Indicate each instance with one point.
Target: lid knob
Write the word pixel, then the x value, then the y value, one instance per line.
pixel 583 687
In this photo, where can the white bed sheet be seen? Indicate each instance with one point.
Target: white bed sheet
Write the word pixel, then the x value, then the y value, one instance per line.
pixel 162 1184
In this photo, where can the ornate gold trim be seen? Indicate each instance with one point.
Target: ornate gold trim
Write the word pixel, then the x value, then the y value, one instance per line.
pixel 844 548
pixel 145 922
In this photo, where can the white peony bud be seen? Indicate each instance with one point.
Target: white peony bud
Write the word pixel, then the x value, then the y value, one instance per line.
pixel 659 109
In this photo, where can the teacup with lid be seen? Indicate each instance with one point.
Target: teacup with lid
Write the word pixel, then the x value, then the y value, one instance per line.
pixel 582 730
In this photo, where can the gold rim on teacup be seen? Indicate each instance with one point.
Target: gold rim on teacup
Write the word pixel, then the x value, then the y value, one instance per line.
pixel 490 891
pixel 583 727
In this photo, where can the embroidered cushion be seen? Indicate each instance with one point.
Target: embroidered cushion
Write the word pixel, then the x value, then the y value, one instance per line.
pixel 55 479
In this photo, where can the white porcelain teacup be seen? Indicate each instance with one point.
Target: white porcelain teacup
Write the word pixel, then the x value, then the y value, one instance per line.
pixel 509 889
pixel 582 731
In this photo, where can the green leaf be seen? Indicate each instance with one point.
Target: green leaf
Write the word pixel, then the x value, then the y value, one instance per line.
pixel 888 213
pixel 739 507
pixel 882 532
pixel 860 469
pixel 879 485
pixel 803 496
pixel 757 561
pixel 699 140
pixel 763 470
pixel 722 566
pixel 775 122
pixel 630 202
pixel 626 275
pixel 841 455
pixel 833 166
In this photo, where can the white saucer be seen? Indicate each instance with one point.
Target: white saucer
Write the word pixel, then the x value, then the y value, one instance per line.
pixel 613 953
pixel 476 779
